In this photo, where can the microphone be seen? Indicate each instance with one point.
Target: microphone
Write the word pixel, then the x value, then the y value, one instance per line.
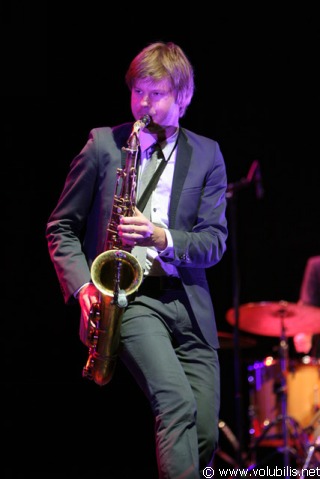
pixel 258 182
pixel 254 175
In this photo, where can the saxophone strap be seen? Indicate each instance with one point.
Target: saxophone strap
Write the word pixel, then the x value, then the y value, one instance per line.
pixel 143 200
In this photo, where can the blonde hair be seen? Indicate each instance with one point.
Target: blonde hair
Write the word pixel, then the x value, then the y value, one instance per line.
pixel 162 60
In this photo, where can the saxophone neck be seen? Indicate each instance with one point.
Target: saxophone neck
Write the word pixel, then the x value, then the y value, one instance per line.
pixel 141 124
pixel 133 141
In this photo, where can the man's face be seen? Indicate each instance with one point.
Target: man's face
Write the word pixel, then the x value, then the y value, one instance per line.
pixel 157 100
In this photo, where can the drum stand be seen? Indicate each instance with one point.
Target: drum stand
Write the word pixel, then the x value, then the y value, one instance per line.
pixel 281 391
pixel 283 359
pixel 311 450
pixel 314 446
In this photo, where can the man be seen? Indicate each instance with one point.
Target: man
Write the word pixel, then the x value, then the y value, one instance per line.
pixel 168 331
pixel 309 295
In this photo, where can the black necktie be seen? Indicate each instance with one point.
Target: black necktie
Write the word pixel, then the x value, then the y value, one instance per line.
pixel 147 174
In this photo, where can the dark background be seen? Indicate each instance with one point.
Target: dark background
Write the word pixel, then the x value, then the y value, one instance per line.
pixel 257 94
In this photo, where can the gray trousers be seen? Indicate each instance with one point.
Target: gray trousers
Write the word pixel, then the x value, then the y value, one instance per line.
pixel 179 373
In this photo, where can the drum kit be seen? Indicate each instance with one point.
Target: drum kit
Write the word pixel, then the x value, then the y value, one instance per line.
pixel 284 394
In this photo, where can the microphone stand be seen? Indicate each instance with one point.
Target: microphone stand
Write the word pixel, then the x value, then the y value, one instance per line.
pixel 283 354
pixel 232 190
pixel 235 301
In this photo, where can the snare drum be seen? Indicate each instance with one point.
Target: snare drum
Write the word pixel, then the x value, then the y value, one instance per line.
pixel 303 393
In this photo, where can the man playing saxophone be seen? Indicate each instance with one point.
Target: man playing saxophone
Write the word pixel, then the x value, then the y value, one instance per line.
pixel 168 335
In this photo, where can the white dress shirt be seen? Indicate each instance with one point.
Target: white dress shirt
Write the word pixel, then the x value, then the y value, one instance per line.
pixel 160 201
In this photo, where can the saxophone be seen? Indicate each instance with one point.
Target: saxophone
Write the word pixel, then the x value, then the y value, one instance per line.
pixel 116 273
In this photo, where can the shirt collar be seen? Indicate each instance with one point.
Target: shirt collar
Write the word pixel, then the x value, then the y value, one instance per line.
pixel 147 140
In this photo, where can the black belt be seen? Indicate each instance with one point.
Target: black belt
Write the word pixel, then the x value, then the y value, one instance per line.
pixel 160 283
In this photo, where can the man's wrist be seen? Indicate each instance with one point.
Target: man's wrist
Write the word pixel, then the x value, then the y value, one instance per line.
pixel 159 238
pixel 76 293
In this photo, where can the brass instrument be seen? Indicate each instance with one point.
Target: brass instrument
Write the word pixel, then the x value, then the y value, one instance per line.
pixel 116 273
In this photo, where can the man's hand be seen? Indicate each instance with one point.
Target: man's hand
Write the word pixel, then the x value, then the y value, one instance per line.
pixel 137 230
pixel 302 342
pixel 88 295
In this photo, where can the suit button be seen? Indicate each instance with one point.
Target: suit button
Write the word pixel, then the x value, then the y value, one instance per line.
pixel 185 257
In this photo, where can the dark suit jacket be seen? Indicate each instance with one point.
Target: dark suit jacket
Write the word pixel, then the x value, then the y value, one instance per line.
pixel 76 229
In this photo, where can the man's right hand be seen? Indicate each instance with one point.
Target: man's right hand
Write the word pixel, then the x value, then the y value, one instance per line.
pixel 88 295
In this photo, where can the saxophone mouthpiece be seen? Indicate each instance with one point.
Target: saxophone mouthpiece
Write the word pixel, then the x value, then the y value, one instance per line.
pixel 141 124
pixel 146 119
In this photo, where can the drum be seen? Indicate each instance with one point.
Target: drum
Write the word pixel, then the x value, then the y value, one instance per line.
pixel 303 383
pixel 265 394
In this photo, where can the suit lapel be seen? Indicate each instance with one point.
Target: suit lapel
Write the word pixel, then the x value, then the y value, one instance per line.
pixel 180 172
pixel 121 135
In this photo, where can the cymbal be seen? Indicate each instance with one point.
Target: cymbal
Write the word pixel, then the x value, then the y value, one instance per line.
pixel 268 318
pixel 226 341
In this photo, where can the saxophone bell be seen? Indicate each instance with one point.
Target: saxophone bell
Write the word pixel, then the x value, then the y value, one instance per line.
pixel 116 270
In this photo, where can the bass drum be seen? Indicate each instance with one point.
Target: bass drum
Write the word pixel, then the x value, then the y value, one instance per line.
pixel 265 394
pixel 303 384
